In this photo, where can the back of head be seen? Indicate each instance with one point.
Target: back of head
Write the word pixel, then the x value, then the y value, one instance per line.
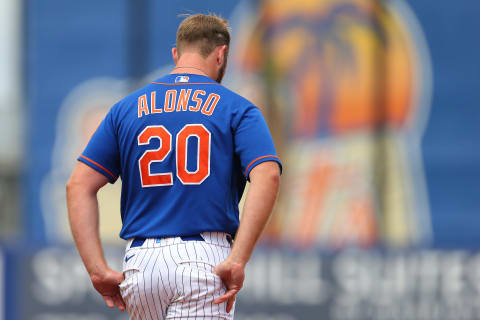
pixel 202 33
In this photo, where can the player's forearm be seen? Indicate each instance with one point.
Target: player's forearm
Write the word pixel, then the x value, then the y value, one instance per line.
pixel 258 206
pixel 83 214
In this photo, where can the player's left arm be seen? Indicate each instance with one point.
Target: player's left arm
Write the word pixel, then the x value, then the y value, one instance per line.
pixel 259 202
pixel 260 164
pixel 82 203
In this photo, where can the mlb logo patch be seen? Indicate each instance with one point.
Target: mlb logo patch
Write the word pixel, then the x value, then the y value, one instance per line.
pixel 181 79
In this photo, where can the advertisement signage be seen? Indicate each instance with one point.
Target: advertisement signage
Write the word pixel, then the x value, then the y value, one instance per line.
pixel 287 285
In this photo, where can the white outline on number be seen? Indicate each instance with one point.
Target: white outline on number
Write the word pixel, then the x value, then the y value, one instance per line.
pixel 198 153
pixel 154 150
pixel 186 152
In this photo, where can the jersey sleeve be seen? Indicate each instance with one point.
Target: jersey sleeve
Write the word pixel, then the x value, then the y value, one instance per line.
pixel 253 142
pixel 102 152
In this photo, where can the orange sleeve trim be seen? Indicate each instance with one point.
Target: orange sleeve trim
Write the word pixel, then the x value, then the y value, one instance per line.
pixel 183 83
pixel 270 155
pixel 99 165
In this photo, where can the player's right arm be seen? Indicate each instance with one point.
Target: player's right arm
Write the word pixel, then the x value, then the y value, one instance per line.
pixel 97 165
pixel 82 204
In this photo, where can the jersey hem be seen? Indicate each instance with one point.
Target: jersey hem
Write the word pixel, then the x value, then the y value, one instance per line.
pixel 259 160
pixel 143 235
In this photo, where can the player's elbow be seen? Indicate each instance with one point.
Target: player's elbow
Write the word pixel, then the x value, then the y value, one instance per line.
pixel 72 185
pixel 75 185
pixel 274 177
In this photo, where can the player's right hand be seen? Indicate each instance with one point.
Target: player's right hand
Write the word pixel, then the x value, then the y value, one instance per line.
pixel 232 275
pixel 107 285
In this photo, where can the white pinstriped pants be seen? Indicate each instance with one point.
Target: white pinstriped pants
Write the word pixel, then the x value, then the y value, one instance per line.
pixel 173 279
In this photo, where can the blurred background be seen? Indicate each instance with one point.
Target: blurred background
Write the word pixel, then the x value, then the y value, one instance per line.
pixel 373 105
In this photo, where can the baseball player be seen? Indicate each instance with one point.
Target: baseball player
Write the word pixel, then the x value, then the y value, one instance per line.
pixel 184 146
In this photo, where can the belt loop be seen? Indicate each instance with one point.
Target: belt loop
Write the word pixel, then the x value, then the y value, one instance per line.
pixel 229 238
pixel 137 242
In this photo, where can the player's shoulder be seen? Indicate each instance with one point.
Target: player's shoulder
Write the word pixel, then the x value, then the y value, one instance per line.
pixel 133 96
pixel 233 95
pixel 131 100
pixel 237 102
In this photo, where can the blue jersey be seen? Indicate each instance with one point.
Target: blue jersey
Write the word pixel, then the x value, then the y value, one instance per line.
pixel 184 147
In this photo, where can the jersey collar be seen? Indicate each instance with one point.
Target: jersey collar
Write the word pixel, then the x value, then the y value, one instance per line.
pixel 184 78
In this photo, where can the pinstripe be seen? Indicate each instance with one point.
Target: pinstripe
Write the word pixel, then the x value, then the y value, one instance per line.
pixel 138 286
pixel 183 271
pixel 198 277
pixel 168 273
pixel 186 251
pixel 198 295
pixel 220 260
pixel 144 280
pixel 223 251
pixel 226 252
pixel 175 276
pixel 159 289
pixel 160 279
pixel 178 292
pixel 132 297
pixel 216 261
pixel 129 294
pixel 213 294
pixel 214 279
pixel 191 243
pixel 183 291
pixel 132 292
pixel 189 301
pixel 136 310
pixel 206 278
pixel 126 293
pixel 190 278
pixel 151 287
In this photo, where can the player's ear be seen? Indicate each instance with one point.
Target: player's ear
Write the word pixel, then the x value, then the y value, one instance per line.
pixel 175 55
pixel 222 54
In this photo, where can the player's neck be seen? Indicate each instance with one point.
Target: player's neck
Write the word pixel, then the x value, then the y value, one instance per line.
pixel 192 62
pixel 189 69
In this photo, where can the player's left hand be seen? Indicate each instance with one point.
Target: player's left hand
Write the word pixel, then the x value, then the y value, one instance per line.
pixel 107 285
pixel 232 275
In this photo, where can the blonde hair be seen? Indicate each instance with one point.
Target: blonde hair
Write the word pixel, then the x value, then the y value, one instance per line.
pixel 205 32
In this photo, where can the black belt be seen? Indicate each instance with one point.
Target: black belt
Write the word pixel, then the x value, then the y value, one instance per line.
pixel 138 242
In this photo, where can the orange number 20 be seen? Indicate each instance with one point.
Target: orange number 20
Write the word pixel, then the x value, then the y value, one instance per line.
pixel 158 155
